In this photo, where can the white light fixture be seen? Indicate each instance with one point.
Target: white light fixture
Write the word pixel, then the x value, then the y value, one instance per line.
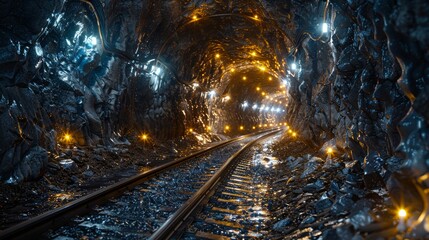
pixel 93 40
pixel 324 27
pixel 293 66
pixel 255 106
pixel 212 93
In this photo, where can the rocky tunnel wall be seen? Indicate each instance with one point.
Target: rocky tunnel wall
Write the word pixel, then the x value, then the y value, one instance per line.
pixel 85 68
pixel 364 84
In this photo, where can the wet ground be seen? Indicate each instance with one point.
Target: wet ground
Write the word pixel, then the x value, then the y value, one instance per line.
pixel 284 190
pixel 76 171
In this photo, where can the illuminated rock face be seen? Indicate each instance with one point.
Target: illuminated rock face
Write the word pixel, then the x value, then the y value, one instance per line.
pixel 364 83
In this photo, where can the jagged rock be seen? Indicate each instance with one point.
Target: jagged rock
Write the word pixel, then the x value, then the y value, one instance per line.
pixel 361 214
pixel 88 173
pixel 280 225
pixel 316 186
pixel 343 204
pixel 68 164
pixel 308 220
pixel 323 204
pixel 32 165
pixel 312 165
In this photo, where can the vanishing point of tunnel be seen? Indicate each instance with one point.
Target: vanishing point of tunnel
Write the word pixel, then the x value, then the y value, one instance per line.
pixel 96 91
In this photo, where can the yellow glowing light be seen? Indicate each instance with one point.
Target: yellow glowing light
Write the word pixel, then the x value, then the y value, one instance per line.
pixel 329 150
pixel 67 138
pixel 260 125
pixel 195 17
pixel 270 78
pixel 253 127
pixel 258 88
pixel 253 53
pixel 263 68
pixel 232 69
pixel 256 16
pixel 244 78
pixel 271 124
pixel 241 127
pixel 209 128
pixel 289 131
pixel 227 127
pixel 217 55
pixel 284 92
pixel 294 134
pixel 263 93
pixel 144 137
pixel 265 125
pixel 190 130
pixel 402 213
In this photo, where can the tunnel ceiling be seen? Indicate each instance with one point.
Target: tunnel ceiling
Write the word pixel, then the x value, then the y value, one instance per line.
pixel 216 43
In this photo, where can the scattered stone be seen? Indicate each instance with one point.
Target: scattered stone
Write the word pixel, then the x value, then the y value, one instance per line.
pixel 361 214
pixel 314 187
pixel 312 165
pixel 308 220
pixel 68 164
pixel 98 157
pixel 54 188
pixel 280 225
pixel 323 204
pixel 342 205
pixel 88 173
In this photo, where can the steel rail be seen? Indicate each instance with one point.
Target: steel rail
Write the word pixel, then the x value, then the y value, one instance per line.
pixel 177 221
pixel 59 216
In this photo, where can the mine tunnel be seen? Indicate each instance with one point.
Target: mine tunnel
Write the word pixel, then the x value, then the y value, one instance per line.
pixel 214 119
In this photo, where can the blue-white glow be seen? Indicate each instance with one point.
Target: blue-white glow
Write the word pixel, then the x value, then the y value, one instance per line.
pixel 325 27
pixel 212 93
pixel 293 66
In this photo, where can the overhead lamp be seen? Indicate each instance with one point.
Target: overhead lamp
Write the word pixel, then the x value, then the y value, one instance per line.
pixel 212 93
pixel 270 78
pixel 93 40
pixel 293 66
pixel 217 55
pixel 255 106
pixel 325 27
pixel 402 213
pixel 144 137
pixel 244 78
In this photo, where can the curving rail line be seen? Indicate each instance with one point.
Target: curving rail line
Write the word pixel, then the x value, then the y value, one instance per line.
pixel 59 216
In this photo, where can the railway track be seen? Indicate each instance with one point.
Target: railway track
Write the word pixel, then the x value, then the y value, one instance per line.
pixel 232 206
pixel 135 208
